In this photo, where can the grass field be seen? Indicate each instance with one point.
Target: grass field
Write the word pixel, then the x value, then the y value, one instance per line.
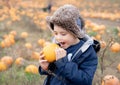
pixel 24 17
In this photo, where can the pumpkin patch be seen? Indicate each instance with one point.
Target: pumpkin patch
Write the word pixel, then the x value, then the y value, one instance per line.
pixel 24 33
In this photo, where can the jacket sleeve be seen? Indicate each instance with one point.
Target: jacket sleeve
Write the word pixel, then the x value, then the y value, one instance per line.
pixel 82 73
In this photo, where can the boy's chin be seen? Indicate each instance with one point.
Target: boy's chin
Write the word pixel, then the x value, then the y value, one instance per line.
pixel 64 46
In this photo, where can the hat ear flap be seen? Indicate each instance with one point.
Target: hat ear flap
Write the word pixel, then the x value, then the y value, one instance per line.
pixel 79 23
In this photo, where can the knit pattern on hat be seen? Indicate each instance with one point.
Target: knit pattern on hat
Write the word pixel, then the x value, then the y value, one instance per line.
pixel 66 16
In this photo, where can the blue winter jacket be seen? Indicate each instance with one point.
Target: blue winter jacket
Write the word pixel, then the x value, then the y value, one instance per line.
pixel 79 71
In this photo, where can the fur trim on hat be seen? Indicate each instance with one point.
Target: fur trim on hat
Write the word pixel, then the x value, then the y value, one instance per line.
pixel 67 17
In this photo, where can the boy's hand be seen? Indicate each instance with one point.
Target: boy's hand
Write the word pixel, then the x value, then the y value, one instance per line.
pixel 60 53
pixel 43 63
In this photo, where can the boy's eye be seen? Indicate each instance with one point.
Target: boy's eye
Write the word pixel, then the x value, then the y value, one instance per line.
pixel 63 34
pixel 55 33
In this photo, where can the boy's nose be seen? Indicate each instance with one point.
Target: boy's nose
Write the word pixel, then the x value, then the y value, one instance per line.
pixel 58 37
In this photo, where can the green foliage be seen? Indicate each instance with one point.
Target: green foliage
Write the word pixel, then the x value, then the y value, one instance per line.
pixel 31 77
pixel 16 75
pixel 115 31
pixel 91 33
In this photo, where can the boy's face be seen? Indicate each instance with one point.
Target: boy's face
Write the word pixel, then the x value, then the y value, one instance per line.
pixel 64 38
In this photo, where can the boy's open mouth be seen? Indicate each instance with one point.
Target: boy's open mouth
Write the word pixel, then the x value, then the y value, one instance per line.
pixel 62 44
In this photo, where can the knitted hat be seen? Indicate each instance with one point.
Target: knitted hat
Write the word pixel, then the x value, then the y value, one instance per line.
pixel 68 18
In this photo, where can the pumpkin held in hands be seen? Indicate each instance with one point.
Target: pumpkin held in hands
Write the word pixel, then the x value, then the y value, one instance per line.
pixel 49 52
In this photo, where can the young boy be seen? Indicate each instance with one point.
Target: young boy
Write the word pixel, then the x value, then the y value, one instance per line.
pixel 70 67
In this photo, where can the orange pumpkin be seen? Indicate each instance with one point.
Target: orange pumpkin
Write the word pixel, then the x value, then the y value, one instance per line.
pixel 24 35
pixel 7 42
pixel 31 69
pixel 7 60
pixel 19 61
pixel 28 45
pixel 110 80
pixel 115 47
pixel 5 36
pixel 35 55
pixel 11 36
pixel 49 52
pixel 103 44
pixel 118 67
pixel 13 32
pixel 3 67
pixel 2 44
pixel 41 42
pixel 98 37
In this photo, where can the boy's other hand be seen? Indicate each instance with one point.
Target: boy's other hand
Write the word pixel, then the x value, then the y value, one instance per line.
pixel 60 53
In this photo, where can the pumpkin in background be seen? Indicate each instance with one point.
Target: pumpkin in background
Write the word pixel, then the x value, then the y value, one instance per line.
pixel 2 44
pixel 3 66
pixel 13 32
pixel 115 47
pixel 103 44
pixel 35 55
pixel 110 80
pixel 19 61
pixel 98 37
pixel 118 67
pixel 49 52
pixel 7 60
pixel 31 69
pixel 41 42
pixel 24 35
pixel 119 34
pixel 5 36
pixel 28 45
